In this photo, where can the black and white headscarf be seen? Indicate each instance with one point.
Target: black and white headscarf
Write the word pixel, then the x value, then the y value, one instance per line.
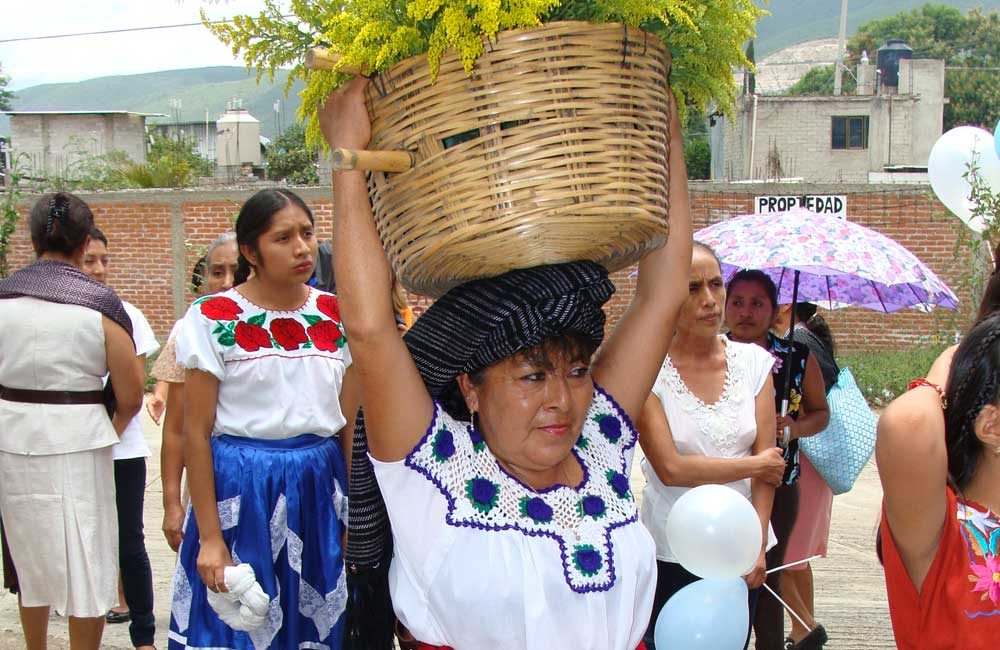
pixel 471 327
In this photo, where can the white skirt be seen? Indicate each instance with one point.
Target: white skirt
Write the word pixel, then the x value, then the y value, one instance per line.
pixel 59 517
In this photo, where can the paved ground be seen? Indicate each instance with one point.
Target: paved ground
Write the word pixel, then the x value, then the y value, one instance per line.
pixel 850 598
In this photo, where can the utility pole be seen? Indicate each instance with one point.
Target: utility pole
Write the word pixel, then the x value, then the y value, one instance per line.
pixel 838 73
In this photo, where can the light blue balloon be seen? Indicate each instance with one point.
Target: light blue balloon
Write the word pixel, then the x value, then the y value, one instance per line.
pixel 996 138
pixel 705 615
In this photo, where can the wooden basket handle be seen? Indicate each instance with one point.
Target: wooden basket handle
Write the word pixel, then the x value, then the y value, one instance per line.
pixel 376 161
pixel 320 58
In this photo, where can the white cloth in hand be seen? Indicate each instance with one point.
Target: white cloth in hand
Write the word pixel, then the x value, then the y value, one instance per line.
pixel 244 606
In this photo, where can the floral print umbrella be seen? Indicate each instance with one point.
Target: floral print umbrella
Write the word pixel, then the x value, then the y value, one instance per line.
pixel 840 263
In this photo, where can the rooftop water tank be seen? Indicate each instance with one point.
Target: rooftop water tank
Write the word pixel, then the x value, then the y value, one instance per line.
pixel 889 56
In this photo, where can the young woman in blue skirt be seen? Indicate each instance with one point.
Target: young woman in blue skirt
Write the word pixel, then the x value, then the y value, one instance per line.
pixel 268 479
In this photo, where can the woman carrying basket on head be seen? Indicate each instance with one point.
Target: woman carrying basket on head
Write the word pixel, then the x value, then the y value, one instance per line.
pixel 503 454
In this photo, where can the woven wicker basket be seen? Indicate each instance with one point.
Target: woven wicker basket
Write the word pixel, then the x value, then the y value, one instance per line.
pixel 554 150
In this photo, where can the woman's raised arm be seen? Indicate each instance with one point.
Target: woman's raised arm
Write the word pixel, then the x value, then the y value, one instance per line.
pixel 628 362
pixel 397 407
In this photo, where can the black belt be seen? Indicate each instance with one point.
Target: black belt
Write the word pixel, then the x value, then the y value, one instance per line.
pixel 51 396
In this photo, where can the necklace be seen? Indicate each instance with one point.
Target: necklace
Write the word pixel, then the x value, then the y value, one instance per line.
pixel 521 477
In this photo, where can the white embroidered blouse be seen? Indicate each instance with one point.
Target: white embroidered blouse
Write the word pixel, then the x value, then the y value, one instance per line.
pixel 725 429
pixel 484 561
pixel 279 372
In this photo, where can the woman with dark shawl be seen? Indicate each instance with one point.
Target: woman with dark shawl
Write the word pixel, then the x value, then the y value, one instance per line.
pixel 503 454
pixel 62 333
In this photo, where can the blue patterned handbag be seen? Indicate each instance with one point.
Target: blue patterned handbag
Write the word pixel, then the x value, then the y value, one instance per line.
pixel 840 451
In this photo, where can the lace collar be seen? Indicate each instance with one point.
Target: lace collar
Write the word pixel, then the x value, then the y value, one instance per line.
pixel 481 494
pixel 718 421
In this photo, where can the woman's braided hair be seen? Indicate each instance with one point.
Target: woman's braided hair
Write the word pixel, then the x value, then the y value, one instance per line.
pixel 973 383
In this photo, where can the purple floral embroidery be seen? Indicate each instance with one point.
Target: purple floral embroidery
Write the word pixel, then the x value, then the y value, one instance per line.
pixel 444 445
pixel 536 509
pixel 610 427
pixel 482 493
pixel 619 483
pixel 593 506
pixel 477 440
pixel 587 560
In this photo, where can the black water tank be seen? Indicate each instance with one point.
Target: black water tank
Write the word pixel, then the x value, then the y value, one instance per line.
pixel 889 56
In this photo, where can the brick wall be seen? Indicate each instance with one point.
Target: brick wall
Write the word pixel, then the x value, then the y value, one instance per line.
pixel 155 238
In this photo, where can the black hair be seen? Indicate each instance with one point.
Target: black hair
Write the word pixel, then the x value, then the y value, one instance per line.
pixel 59 223
pixel 95 233
pixel 990 302
pixel 759 277
pixel 570 344
pixel 708 249
pixel 805 313
pixel 255 218
pixel 972 384
pixel 198 273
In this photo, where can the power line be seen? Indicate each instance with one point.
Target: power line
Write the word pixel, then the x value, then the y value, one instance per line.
pixel 117 31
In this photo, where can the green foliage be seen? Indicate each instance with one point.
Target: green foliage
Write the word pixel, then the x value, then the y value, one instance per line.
pixel 698 156
pixel 171 162
pixel 9 215
pixel 819 81
pixel 5 95
pixel 968 41
pixel 290 159
pixel 180 150
pixel 697 150
pixel 705 37
pixel 884 375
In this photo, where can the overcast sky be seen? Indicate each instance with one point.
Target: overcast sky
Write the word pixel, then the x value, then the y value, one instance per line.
pixel 29 63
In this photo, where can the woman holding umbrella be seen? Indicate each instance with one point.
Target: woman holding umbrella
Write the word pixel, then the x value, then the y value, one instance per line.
pixel 751 307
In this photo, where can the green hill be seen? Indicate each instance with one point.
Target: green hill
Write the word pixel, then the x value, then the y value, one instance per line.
pixel 210 89
pixel 198 89
pixel 795 21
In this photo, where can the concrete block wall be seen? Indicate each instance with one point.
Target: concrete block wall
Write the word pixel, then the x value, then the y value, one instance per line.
pixel 156 237
pixel 55 143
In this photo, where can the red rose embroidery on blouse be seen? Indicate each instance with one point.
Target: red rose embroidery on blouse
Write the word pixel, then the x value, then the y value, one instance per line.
pixel 252 337
pixel 221 308
pixel 325 335
pixel 328 305
pixel 288 332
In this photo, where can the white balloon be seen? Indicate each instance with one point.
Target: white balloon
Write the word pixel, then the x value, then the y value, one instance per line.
pixel 714 532
pixel 949 162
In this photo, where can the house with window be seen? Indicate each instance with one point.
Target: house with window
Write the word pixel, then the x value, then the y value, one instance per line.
pixel 889 124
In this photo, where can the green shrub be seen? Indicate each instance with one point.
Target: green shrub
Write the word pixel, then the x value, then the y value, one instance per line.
pixel 884 375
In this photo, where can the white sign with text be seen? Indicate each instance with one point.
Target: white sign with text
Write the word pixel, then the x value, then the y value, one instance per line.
pixel 829 204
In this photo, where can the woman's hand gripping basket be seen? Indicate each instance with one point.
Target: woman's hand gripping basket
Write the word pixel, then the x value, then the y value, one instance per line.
pixel 555 149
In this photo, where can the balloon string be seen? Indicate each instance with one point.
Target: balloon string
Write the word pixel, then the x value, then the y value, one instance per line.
pixel 786 606
pixel 790 564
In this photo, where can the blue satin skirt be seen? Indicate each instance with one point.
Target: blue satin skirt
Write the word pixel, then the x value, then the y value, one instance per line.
pixel 283 509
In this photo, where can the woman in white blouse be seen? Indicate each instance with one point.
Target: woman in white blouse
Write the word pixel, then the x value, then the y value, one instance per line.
pixel 266 362
pixel 502 454
pixel 709 420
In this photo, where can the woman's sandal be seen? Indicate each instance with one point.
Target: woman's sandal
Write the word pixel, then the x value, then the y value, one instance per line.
pixel 815 640
pixel 118 617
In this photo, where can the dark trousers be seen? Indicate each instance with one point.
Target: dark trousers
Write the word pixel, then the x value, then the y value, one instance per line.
pixel 769 619
pixel 671 577
pixel 137 578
